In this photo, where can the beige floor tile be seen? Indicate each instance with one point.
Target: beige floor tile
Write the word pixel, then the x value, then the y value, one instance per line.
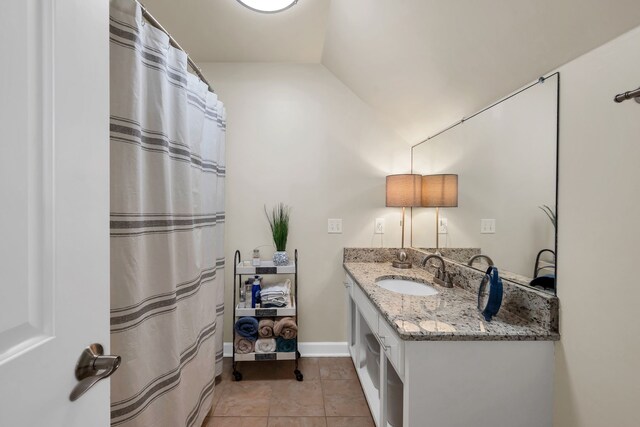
pixel 244 399
pixel 267 371
pixel 235 422
pixel 344 398
pixel 294 398
pixel 337 368
pixel 309 366
pixel 218 391
pixel 226 369
pixel 297 422
pixel 350 422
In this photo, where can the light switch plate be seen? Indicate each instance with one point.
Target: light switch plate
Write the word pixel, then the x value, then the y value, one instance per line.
pixel 379 226
pixel 334 226
pixel 442 226
pixel 487 226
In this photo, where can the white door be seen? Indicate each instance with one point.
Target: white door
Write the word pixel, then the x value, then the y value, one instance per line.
pixel 54 208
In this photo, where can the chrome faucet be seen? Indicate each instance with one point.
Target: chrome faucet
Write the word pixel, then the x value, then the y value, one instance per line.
pixel 475 257
pixel 440 277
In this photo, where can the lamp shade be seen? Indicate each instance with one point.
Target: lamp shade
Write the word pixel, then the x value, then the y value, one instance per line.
pixel 404 190
pixel 440 191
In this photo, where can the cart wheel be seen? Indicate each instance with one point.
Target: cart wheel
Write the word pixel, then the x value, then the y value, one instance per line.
pixel 237 375
pixel 299 376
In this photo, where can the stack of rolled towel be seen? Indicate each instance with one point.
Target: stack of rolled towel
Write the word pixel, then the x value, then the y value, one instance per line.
pixel 246 335
pixel 286 331
pixel 266 335
pixel 266 343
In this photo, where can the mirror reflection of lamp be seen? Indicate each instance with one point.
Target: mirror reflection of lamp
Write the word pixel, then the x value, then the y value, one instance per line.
pixel 403 191
pixel 439 191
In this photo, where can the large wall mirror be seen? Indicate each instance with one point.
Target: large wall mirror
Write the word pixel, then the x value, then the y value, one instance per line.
pixel 506 161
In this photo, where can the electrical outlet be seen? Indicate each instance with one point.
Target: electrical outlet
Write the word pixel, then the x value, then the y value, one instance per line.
pixel 487 226
pixel 334 226
pixel 379 226
pixel 442 226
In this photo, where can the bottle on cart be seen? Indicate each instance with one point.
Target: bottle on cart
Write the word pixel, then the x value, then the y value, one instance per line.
pixel 243 294
pixel 255 291
pixel 247 292
pixel 256 258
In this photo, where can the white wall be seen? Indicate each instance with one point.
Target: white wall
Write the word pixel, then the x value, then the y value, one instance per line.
pixel 505 159
pixel 598 357
pixel 296 134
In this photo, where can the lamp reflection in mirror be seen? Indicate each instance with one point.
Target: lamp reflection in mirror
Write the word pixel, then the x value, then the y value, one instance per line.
pixel 403 191
pixel 439 191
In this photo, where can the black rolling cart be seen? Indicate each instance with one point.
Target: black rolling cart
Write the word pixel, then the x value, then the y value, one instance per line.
pixel 266 268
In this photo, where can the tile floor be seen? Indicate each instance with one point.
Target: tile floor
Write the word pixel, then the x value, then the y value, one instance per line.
pixel 269 396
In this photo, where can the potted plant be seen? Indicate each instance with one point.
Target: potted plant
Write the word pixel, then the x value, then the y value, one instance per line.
pixel 279 223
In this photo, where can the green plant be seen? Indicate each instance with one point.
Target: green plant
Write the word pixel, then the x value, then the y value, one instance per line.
pixel 550 213
pixel 279 223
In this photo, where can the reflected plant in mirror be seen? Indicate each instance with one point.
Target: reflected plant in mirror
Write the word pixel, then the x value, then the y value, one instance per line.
pixel 505 157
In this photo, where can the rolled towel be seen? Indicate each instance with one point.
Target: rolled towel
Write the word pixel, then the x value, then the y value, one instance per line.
pixel 247 327
pixel 265 345
pixel 284 345
pixel 243 345
pixel 286 328
pixel 265 328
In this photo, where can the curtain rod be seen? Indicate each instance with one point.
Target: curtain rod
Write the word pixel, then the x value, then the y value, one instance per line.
pixel 153 21
pixel 628 95
pixel 464 119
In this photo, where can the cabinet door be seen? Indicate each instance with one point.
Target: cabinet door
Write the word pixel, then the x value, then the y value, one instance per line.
pixel 393 346
pixel 352 332
pixel 366 308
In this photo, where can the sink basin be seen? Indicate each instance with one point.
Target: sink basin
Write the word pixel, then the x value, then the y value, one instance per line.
pixel 407 287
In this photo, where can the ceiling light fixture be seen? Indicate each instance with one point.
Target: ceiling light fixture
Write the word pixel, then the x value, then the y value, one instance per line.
pixel 268 6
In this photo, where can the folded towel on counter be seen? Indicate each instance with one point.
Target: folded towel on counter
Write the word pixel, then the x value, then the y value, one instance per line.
pixel 265 328
pixel 284 345
pixel 247 327
pixel 243 345
pixel 286 328
pixel 265 345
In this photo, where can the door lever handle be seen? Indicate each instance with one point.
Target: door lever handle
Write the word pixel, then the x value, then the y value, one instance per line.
pixel 92 367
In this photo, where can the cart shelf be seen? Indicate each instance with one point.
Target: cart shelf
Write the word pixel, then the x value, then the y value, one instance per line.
pixel 265 312
pixel 250 357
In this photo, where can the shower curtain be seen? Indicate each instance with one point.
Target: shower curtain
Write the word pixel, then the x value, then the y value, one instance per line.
pixel 167 229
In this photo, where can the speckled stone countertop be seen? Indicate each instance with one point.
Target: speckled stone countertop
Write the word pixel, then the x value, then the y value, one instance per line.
pixel 450 315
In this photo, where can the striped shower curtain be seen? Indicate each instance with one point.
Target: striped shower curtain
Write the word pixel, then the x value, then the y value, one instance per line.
pixel 167 229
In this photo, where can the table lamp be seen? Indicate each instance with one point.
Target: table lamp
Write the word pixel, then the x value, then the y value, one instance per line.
pixel 403 191
pixel 439 191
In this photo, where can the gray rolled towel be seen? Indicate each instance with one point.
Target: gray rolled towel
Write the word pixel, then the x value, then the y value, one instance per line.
pixel 286 328
pixel 243 345
pixel 265 328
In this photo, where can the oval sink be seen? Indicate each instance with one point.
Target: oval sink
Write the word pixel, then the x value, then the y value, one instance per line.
pixel 407 287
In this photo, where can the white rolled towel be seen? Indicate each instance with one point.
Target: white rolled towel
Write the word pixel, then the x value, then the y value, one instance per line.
pixel 265 345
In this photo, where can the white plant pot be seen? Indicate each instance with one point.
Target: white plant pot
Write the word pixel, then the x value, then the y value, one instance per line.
pixel 280 258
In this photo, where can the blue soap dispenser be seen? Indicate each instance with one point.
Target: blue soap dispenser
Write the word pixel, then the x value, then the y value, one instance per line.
pixel 255 291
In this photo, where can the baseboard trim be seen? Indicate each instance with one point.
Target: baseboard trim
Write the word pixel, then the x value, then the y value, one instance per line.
pixel 309 349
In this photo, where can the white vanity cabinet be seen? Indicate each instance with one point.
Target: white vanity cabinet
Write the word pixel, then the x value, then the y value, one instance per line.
pixel 454 383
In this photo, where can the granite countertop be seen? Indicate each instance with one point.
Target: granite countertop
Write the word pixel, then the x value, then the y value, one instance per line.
pixel 450 315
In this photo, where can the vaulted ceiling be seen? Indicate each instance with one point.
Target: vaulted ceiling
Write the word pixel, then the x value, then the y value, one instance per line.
pixel 423 64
